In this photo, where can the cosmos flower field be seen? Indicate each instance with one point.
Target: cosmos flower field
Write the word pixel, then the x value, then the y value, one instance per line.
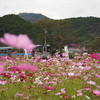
pixel 57 78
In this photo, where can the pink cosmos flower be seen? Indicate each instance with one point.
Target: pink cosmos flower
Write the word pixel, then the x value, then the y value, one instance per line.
pixel 1 68
pixel 91 82
pixel 95 56
pixel 49 82
pixel 2 82
pixel 84 61
pixel 21 41
pixel 63 91
pixel 84 49
pixel 66 96
pixel 86 88
pixel 96 92
pixel 79 91
pixel 74 45
pixel 26 97
pixel 42 73
pixel 97 75
pixel 19 95
pixel 65 54
pixel 21 75
pixel 27 67
pixel 47 87
pixel 58 93
pixel 79 94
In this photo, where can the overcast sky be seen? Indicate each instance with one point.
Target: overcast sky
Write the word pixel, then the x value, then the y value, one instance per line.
pixel 56 9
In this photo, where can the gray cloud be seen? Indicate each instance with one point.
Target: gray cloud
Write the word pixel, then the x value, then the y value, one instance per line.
pixel 57 9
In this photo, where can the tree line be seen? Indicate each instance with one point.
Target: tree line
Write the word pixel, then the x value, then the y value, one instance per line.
pixel 57 33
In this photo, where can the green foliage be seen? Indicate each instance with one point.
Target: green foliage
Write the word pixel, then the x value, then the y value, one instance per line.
pixel 95 47
pixel 15 25
pixel 71 55
pixel 58 33
pixel 87 28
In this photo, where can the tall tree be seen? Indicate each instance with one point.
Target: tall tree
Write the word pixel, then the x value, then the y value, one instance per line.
pixel 59 33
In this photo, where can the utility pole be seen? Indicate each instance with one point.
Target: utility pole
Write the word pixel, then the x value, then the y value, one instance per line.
pixel 45 41
pixel 45 32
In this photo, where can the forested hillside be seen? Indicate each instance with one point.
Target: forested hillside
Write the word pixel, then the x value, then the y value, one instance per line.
pixel 14 24
pixel 83 31
pixel 87 28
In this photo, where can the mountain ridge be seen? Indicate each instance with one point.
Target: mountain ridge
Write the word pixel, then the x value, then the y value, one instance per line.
pixel 32 17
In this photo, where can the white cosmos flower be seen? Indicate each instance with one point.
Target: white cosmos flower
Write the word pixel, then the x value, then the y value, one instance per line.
pixel 71 74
